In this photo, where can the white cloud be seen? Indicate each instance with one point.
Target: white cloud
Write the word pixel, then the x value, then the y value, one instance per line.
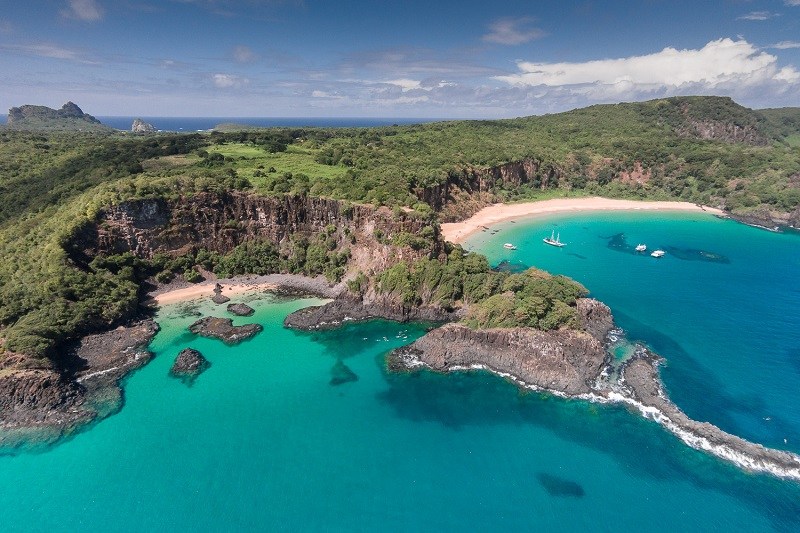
pixel 405 84
pixel 792 2
pixel 720 62
pixel 243 54
pixel 49 51
pixel 758 15
pixel 229 81
pixel 512 31
pixel 86 10
pixel 786 45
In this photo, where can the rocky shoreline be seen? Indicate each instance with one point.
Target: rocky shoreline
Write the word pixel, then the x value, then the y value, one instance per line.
pixel 82 387
pixel 576 364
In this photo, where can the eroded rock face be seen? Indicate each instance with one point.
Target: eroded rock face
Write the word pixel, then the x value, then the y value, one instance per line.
pixel 224 330
pixel 141 127
pixel 61 397
pixel 595 317
pixel 565 361
pixel 188 365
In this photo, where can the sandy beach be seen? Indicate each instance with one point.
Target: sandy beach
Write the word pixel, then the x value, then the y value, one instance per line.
pixel 246 284
pixel 457 232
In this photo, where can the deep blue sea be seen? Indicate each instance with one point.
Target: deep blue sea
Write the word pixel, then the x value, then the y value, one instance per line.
pixel 188 124
pixel 307 431
pixel 183 124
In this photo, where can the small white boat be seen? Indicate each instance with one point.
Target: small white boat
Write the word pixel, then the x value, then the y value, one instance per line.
pixel 641 247
pixel 509 246
pixel 554 240
pixel 658 253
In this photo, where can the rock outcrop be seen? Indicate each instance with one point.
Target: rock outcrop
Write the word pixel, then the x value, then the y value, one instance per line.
pixel 563 361
pixel 64 396
pixel 224 330
pixel 348 307
pixel 141 127
pixel 188 365
pixel 240 309
pixel 41 118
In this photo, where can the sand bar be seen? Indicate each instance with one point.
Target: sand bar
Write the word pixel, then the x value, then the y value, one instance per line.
pixel 458 232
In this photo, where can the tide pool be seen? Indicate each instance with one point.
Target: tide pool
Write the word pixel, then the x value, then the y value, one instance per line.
pixel 307 431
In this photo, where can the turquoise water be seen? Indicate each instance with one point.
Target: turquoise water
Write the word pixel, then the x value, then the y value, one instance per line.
pixel 307 431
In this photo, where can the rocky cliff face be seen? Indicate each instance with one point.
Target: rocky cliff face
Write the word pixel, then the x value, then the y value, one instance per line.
pixel 220 222
pixel 466 192
pixel 565 361
pixel 723 131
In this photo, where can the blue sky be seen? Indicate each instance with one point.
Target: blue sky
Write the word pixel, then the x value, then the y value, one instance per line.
pixel 414 58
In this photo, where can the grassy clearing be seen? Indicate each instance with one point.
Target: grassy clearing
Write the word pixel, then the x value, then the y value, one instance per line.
pixel 296 159
pixel 168 162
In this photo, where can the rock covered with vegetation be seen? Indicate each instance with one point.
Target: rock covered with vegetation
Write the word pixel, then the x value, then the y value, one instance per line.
pixel 41 118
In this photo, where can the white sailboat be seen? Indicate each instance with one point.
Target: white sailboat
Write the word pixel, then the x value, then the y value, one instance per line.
pixel 554 240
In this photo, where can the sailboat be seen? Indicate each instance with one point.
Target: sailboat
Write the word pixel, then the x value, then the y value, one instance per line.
pixel 554 240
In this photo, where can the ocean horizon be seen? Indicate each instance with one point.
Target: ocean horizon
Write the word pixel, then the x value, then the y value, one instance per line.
pixel 193 124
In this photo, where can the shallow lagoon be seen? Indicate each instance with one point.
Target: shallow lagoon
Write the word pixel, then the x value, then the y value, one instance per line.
pixel 270 437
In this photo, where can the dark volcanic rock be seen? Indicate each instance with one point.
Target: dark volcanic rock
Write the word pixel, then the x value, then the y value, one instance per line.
pixel 595 317
pixel 220 299
pixel 347 308
pixel 62 397
pixel 241 309
pixel 224 330
pixel 188 365
pixel 565 361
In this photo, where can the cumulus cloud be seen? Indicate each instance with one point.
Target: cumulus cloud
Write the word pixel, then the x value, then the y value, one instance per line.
pixel 228 81
pixel 86 10
pixel 243 54
pixel 792 2
pixel 512 31
pixel 718 63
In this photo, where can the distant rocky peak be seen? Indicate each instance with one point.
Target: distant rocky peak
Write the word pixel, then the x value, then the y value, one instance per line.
pixel 140 126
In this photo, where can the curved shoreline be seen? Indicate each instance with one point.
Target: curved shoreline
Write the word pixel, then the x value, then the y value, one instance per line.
pixel 458 232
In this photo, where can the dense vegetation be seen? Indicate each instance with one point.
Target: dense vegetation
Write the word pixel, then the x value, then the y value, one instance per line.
pixel 51 184
pixel 496 299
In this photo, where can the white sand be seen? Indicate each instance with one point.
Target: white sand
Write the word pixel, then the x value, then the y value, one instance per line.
pixel 206 290
pixel 458 232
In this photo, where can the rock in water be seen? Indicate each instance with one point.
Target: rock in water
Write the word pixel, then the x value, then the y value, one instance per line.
pixel 224 330
pixel 188 365
pixel 341 374
pixel 140 126
pixel 220 299
pixel 240 309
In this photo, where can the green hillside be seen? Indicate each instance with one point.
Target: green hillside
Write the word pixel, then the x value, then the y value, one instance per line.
pixel 701 149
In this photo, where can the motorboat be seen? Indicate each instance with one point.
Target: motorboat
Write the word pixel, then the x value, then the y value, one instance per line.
pixel 658 253
pixel 641 247
pixel 509 246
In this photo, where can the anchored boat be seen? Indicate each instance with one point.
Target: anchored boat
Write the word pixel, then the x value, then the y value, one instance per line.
pixel 554 240
pixel 641 247
pixel 658 253
pixel 509 246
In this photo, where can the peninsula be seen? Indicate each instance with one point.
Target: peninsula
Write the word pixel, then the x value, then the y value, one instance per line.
pixel 93 223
